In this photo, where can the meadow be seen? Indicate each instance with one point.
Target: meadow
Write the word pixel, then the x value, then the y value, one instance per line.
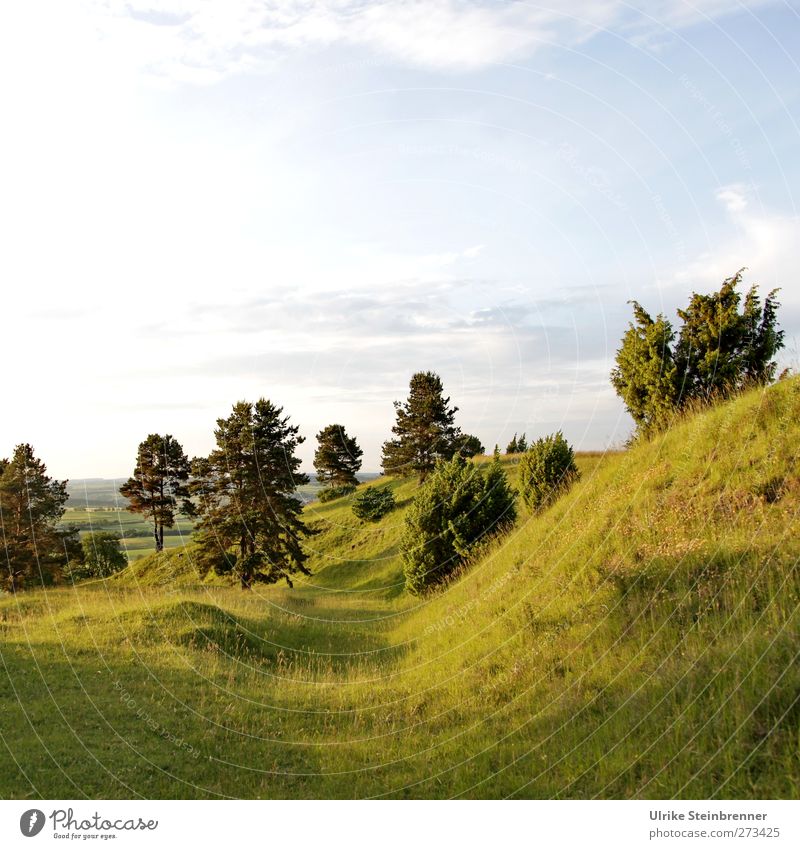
pixel 639 639
pixel 96 505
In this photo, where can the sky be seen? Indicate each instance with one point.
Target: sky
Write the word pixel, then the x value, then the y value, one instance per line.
pixel 203 202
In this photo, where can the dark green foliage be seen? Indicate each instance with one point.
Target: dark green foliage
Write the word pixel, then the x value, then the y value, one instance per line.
pixel 331 492
pixel 424 430
pixel 455 508
pixel 719 351
pixel 159 487
pixel 499 500
pixel 102 556
pixel 373 503
pixel 512 447
pixel 646 377
pixel 522 444
pixel 336 460
pixel 547 469
pixel 469 446
pixel 250 520
pixel 35 548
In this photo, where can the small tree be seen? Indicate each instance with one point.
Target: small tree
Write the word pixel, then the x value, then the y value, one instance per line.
pixel 424 430
pixel 646 376
pixel 499 501
pixel 454 509
pixel 720 350
pixel 546 470
pixel 250 519
pixel 35 546
pixel 512 447
pixel 102 556
pixel 374 503
pixel 337 459
pixel 469 446
pixel 522 444
pixel 159 487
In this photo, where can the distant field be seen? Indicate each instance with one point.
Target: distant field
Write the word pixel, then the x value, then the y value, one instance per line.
pixel 96 505
pixel 136 533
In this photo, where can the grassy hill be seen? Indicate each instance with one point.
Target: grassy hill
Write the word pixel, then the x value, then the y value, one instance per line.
pixel 639 639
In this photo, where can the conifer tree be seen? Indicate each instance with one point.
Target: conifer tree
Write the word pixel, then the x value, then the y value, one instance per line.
pixel 522 444
pixel 512 447
pixel 452 512
pixel 646 376
pixel 159 487
pixel 469 446
pixel 35 546
pixel 424 429
pixel 337 458
pixel 250 518
pixel 720 350
pixel 499 500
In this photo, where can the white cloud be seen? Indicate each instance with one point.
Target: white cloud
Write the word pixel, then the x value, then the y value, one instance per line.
pixel 733 197
pixel 200 41
pixel 765 242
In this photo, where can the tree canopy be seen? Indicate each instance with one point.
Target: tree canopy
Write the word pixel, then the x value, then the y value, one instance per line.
pixel 36 547
pixel 102 556
pixel 546 470
pixel 250 518
pixel 455 508
pixel 424 430
pixel 337 458
pixel 159 487
pixel 719 350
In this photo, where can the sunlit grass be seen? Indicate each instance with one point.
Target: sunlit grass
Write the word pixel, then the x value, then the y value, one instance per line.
pixel 638 639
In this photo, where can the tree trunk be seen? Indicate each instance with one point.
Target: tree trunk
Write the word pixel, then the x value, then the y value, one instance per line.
pixel 155 536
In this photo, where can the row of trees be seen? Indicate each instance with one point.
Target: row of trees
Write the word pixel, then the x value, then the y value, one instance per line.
pixel 243 494
pixel 37 546
pixel 724 344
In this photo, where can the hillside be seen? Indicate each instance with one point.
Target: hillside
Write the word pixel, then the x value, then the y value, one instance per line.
pixel 639 639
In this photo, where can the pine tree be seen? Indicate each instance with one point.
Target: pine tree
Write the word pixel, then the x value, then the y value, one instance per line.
pixel 337 458
pixel 250 518
pixel 424 429
pixel 522 444
pixel 512 447
pixel 159 487
pixel 36 547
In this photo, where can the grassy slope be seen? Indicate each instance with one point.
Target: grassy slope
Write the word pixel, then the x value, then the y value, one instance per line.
pixel 638 639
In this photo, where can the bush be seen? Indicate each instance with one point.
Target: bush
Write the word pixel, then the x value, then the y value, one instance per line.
pixel 102 557
pixel 546 470
pixel 373 503
pixel 328 493
pixel 455 508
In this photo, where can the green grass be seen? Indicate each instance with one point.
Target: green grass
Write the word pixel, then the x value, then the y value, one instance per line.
pixel 638 639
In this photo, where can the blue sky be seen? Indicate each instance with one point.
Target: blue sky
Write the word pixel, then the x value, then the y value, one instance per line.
pixel 209 201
